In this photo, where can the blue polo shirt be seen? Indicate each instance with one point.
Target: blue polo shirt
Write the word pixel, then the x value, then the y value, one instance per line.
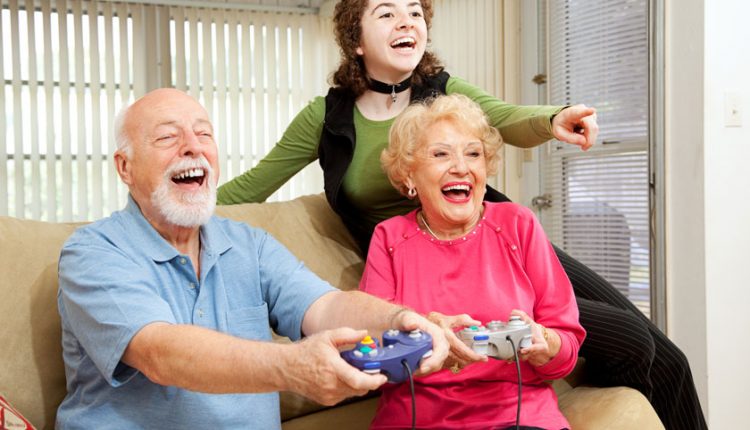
pixel 118 275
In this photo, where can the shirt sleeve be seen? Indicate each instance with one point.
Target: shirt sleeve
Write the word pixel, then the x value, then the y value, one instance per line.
pixel 105 308
pixel 521 126
pixel 297 148
pixel 378 278
pixel 288 286
pixel 555 305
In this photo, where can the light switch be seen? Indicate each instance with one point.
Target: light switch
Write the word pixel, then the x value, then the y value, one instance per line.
pixel 732 110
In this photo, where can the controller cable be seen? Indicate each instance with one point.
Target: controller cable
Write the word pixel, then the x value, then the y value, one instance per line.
pixel 413 396
pixel 520 384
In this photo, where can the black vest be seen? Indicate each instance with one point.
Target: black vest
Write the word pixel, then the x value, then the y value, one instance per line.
pixel 336 150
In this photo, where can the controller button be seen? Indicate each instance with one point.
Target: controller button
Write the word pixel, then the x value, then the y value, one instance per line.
pixel 481 337
pixel 474 328
pixel 525 342
pixel 427 354
pixel 372 365
pixel 367 340
pixel 365 349
pixel 373 353
pixel 391 346
pixel 357 354
pixel 415 334
pixel 393 332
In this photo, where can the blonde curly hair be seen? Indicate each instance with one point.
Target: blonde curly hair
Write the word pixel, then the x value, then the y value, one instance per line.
pixel 405 137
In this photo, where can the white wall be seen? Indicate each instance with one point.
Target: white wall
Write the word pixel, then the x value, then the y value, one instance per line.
pixel 727 211
pixel 685 236
pixel 708 210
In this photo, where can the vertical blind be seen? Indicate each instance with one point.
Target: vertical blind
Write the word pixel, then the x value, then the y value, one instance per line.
pixel 253 72
pixel 52 69
pixel 68 66
pixel 469 41
pixel 598 55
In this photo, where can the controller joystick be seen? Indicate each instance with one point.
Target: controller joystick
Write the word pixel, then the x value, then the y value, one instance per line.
pixel 492 340
pixel 368 356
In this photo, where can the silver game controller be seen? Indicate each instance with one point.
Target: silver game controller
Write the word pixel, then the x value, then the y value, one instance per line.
pixel 494 340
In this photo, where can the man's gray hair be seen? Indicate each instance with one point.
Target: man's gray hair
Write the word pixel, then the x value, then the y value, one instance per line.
pixel 121 136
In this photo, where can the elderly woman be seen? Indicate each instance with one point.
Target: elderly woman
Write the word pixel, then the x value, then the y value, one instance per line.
pixel 457 255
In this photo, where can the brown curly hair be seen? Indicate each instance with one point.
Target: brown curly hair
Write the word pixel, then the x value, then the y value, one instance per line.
pixel 351 74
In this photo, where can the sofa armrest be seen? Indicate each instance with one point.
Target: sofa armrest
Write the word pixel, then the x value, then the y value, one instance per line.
pixel 613 408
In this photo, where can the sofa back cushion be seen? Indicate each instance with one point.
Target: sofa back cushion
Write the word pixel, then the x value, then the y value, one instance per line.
pixel 32 374
pixel 312 231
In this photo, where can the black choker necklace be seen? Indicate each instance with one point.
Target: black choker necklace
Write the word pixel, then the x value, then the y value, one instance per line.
pixel 392 89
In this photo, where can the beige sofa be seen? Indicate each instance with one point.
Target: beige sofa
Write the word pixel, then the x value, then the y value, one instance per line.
pixel 31 368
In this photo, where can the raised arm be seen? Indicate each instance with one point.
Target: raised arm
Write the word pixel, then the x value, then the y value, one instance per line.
pixel 531 125
pixel 297 148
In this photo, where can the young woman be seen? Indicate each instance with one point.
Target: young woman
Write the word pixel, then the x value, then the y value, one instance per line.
pixel 384 67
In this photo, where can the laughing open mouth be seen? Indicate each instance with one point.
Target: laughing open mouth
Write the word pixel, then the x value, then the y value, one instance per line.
pixel 457 191
pixel 406 42
pixel 190 176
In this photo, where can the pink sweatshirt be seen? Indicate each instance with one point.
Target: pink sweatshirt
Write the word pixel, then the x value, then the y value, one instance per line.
pixel 505 263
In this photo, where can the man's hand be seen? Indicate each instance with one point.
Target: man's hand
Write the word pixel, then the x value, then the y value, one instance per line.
pixel 409 320
pixel 317 371
pixel 460 354
pixel 576 125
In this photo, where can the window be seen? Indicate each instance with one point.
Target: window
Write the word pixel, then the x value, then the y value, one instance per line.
pixel 66 74
pixel 599 213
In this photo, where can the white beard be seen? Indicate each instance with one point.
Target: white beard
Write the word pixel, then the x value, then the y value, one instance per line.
pixel 186 209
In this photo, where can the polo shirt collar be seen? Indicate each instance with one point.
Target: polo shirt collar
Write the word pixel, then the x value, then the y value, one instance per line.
pixel 214 241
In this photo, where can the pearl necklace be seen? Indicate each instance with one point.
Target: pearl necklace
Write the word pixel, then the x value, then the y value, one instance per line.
pixel 420 214
pixel 424 221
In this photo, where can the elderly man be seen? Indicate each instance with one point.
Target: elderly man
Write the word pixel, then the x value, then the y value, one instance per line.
pixel 166 309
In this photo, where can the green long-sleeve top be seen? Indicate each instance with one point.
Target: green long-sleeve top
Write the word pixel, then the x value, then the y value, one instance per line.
pixel 365 184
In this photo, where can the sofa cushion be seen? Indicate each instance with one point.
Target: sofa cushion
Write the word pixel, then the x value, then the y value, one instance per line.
pixel 613 408
pixel 32 376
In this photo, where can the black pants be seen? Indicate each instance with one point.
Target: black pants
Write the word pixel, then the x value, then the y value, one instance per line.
pixel 623 347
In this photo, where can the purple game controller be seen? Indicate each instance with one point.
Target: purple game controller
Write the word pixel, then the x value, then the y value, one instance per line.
pixel 493 340
pixel 398 346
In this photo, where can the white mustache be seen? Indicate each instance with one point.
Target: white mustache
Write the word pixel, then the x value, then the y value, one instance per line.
pixel 190 163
